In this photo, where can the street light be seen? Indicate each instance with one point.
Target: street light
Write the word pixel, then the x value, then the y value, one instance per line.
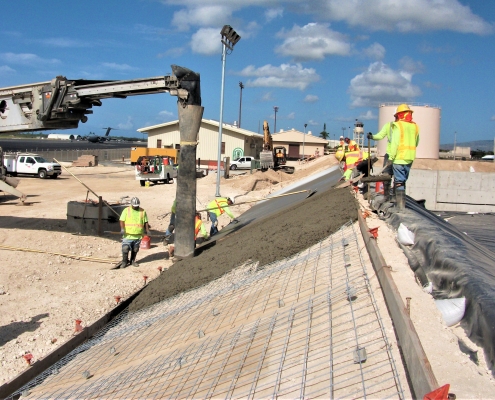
pixel 275 108
pixel 304 139
pixel 229 39
pixel 240 103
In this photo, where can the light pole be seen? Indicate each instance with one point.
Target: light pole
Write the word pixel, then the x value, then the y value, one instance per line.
pixel 240 103
pixel 275 126
pixel 304 139
pixel 229 39
pixel 343 131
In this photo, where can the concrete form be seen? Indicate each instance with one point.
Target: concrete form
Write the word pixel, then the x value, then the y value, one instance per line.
pixel 306 326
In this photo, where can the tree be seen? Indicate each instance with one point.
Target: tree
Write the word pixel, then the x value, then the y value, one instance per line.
pixel 324 134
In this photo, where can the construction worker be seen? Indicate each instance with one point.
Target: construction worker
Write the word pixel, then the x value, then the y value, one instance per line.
pixel 133 224
pixel 351 159
pixel 216 208
pixel 351 144
pixel 171 224
pixel 403 139
pixel 199 227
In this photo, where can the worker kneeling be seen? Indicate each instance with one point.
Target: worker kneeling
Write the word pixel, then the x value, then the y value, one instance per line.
pixel 356 163
pixel 216 208
pixel 133 224
pixel 199 227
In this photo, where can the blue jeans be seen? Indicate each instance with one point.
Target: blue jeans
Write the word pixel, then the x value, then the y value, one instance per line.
pixel 401 173
pixel 214 223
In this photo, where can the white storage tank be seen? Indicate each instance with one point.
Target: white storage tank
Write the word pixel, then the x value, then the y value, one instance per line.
pixel 428 119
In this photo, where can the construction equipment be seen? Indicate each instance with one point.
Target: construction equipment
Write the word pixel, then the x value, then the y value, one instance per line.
pixel 273 158
pixel 155 169
pixel 137 152
pixel 62 103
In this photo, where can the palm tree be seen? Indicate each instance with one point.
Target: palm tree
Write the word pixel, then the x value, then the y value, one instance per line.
pixel 324 134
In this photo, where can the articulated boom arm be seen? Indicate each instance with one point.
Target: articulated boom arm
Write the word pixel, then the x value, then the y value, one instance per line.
pixel 62 103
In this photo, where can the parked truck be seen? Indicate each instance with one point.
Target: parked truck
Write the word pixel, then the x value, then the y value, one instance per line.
pixel 155 169
pixel 8 184
pixel 30 164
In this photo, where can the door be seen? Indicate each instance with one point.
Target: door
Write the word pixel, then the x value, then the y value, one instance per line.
pixel 26 165
pixel 294 151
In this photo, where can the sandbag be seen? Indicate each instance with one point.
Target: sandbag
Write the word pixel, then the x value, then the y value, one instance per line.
pixel 405 236
pixel 452 309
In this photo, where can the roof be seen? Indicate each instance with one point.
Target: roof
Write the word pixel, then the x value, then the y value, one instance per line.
pixel 297 136
pixel 209 122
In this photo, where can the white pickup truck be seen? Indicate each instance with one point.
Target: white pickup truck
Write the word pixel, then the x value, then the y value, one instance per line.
pixel 30 164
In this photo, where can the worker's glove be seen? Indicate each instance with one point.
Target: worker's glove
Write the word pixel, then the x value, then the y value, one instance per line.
pixel 122 232
pixel 369 135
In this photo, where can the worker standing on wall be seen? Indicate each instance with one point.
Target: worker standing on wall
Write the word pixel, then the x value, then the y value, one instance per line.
pixel 218 207
pixel 404 139
pixel 171 224
pixel 133 224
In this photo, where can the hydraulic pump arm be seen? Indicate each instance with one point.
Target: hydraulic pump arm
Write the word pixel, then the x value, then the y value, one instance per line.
pixel 61 103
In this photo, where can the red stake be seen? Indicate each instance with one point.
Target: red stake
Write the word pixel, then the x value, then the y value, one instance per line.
pixel 78 327
pixel 160 269
pixel 374 232
pixel 28 357
pixel 117 299
pixel 145 279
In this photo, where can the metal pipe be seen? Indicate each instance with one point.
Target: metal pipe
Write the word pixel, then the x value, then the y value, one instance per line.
pixel 224 57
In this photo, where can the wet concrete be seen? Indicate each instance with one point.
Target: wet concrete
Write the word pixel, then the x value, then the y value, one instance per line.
pixel 265 240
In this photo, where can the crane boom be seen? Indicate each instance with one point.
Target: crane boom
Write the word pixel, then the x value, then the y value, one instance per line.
pixel 62 103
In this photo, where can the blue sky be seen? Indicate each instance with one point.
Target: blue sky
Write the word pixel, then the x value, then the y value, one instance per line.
pixel 320 61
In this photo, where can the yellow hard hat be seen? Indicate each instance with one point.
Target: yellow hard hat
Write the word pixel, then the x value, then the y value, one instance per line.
pixel 402 108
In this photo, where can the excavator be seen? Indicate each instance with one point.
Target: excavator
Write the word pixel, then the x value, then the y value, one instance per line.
pixel 273 157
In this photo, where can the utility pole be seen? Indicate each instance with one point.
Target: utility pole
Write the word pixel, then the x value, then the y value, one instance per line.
pixel 275 126
pixel 240 103
pixel 455 143
pixel 304 140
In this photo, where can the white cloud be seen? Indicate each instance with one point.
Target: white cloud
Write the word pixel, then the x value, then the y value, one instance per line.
pixel 291 115
pixel 368 115
pixel 6 69
pixel 64 42
pixel 267 97
pixel 117 67
pixel 166 115
pixel 273 13
pixel 313 123
pixel 173 52
pixel 376 52
pixel 312 42
pixel 285 76
pixel 204 16
pixel 26 58
pixel 403 16
pixel 126 125
pixel 492 118
pixel 206 41
pixel 381 84
pixel 311 98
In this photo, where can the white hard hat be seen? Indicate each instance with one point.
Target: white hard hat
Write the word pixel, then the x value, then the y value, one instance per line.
pixel 342 137
pixel 232 199
pixel 135 202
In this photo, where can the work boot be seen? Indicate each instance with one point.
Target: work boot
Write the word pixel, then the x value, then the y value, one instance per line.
pixel 125 261
pixel 400 196
pixel 133 259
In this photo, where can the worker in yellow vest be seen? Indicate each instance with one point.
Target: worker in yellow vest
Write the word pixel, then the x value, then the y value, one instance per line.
pixel 403 139
pixel 218 207
pixel 133 224
pixel 351 144
pixel 199 227
pixel 351 159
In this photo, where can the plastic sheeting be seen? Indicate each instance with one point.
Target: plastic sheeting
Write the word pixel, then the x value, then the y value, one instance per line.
pixel 457 265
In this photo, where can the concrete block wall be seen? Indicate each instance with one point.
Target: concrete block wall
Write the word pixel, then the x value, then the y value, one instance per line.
pixel 452 190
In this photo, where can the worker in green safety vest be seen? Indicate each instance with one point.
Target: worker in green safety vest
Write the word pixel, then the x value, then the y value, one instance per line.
pixel 133 224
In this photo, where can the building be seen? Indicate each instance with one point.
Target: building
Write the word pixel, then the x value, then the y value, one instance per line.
pixel 63 136
pixel 236 142
pixel 297 143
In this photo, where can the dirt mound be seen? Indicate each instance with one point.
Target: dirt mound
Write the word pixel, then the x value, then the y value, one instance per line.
pixel 305 224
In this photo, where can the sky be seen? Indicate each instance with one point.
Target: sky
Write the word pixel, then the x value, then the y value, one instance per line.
pixel 324 63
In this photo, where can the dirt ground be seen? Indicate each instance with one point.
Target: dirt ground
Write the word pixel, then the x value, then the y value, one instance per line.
pixel 44 289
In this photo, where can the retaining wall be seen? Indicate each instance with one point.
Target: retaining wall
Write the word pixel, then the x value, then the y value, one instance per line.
pixel 452 190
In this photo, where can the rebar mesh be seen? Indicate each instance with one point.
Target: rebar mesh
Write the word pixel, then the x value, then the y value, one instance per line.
pixel 306 326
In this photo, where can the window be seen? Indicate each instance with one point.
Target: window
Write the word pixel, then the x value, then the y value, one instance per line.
pixel 223 147
pixel 177 147
pixel 21 159
pixel 159 143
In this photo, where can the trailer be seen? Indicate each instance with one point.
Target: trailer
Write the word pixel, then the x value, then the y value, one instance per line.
pixel 155 169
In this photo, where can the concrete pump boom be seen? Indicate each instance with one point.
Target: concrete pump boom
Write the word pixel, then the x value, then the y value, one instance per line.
pixel 62 103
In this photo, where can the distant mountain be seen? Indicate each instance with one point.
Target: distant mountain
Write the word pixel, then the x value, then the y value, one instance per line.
pixel 483 145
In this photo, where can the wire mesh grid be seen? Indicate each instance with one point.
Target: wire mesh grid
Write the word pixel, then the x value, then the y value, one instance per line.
pixel 306 326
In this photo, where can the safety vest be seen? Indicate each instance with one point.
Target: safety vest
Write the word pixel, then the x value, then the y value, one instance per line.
pixel 353 146
pixel 352 158
pixel 198 226
pixel 408 141
pixel 174 206
pixel 217 206
pixel 134 221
